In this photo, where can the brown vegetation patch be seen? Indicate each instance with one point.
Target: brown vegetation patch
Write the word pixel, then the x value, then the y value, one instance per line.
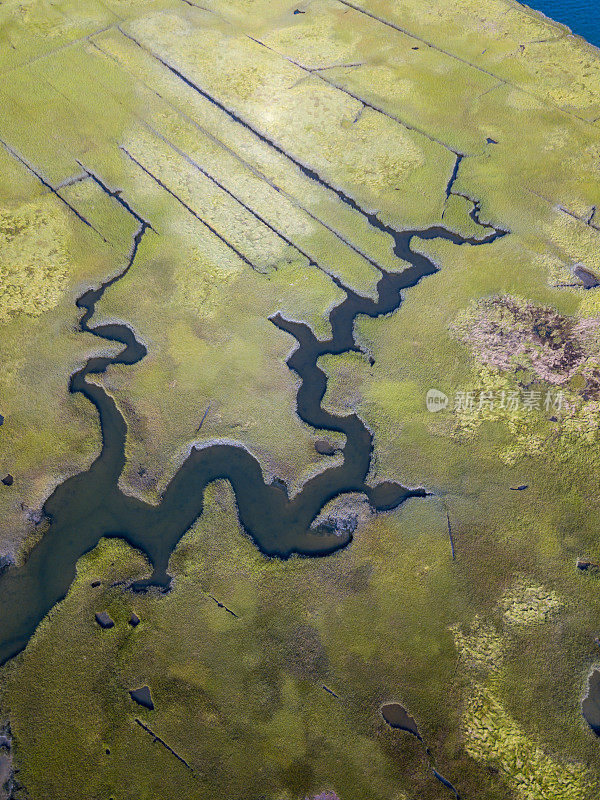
pixel 516 335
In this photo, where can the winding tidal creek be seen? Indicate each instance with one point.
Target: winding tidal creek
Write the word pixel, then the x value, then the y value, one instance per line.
pixel 90 505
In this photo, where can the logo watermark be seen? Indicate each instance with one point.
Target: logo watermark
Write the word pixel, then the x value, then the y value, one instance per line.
pixel 525 399
pixel 436 400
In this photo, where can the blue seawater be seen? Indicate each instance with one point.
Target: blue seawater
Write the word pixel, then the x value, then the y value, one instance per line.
pixel 582 16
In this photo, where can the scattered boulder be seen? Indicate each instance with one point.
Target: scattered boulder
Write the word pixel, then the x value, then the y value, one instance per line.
pixel 8 480
pixel 398 717
pixel 95 584
pixel 103 619
pixel 520 488
pixel 1 419
pixel 142 697
pixel 134 619
pixel 325 448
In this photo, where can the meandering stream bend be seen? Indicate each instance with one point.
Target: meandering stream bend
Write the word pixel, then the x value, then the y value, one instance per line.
pixel 90 505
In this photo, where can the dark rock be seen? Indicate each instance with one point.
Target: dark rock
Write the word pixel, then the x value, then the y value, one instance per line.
pixel 297 11
pixel 590 707
pixel 398 717
pixel 8 480
pixel 103 619
pixel 519 488
pixel 553 419
pixel 491 141
pixel 325 448
pixel 142 697
pixel 1 419
pixel 587 278
pixel 134 619
pixel 96 583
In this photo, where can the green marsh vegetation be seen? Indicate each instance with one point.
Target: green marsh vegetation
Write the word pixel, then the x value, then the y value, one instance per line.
pixel 489 651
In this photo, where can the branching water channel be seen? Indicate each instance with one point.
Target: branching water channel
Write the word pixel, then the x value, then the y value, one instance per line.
pixel 90 505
